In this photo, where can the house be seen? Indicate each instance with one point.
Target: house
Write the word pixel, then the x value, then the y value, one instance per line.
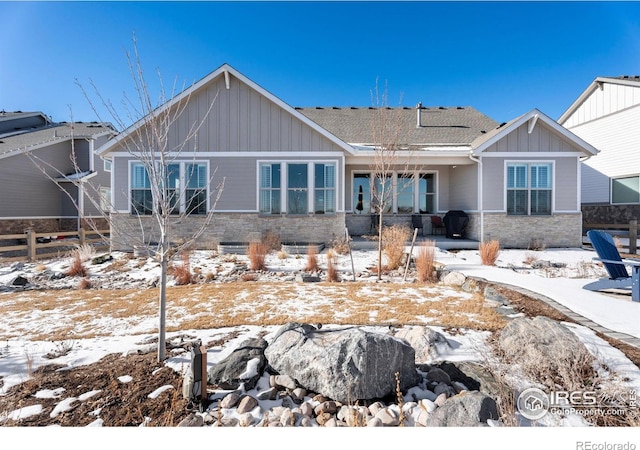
pixel 38 177
pixel 607 115
pixel 306 173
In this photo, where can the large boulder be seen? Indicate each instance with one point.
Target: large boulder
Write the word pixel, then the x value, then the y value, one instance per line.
pixel 468 409
pixel 426 342
pixel 244 365
pixel 345 364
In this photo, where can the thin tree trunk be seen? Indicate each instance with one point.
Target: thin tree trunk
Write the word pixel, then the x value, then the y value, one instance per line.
pixel 162 301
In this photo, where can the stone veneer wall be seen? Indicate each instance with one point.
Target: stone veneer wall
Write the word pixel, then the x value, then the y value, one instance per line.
pixel 558 230
pixel 231 227
pixel 614 214
pixel 18 226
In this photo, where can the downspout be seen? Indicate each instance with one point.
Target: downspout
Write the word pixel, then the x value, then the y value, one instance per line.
pixel 480 193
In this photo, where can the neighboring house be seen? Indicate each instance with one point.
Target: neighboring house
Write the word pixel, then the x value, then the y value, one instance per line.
pixel 37 172
pixel 299 172
pixel 607 115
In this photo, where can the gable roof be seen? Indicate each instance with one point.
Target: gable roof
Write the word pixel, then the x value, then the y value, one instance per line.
pixel 439 126
pixel 625 80
pixel 53 133
pixel 485 141
pixel 225 70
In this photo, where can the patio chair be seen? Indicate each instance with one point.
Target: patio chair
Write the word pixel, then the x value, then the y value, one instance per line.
pixel 416 222
pixel 437 224
pixel 616 267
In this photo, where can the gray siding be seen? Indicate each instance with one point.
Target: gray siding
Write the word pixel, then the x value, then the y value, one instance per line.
pixel 565 182
pixel 463 188
pixel 26 191
pixel 240 119
pixel 541 139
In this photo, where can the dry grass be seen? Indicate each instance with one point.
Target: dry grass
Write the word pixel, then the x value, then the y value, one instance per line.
pixel 182 272
pixel 426 262
pixel 85 283
pixel 489 252
pixel 257 254
pixel 77 268
pixel 272 241
pixel 282 255
pixel 340 246
pixel 332 271
pixel 312 260
pixel 214 305
pixel 394 240
pixel 530 258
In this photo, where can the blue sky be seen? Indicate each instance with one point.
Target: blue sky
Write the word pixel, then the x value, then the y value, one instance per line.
pixel 503 58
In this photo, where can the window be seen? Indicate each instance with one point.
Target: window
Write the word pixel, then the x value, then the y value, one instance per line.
pixel 270 189
pixel 427 193
pixel 196 192
pixel 529 189
pixel 625 190
pixel 404 194
pixel 141 199
pixel 185 188
pixel 383 195
pixel 297 188
pixel 362 193
pixel 325 188
pixel 107 165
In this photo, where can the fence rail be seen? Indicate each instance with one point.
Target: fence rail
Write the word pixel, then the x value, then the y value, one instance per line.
pixel 32 245
pixel 631 228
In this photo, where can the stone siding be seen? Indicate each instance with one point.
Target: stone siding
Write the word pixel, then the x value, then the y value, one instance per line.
pixel 558 230
pixel 230 227
pixel 614 214
pixel 17 226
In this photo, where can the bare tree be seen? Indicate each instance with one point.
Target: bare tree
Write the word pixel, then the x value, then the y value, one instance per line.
pixel 147 126
pixel 388 160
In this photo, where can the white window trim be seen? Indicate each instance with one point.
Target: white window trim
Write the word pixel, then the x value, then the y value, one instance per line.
pixel 415 175
pixel 528 162
pixel 617 177
pixel 284 189
pixel 182 189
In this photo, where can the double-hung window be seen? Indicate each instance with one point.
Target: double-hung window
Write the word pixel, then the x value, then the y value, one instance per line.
pixel 141 198
pixel 196 192
pixel 427 193
pixel 325 188
pixel 529 189
pixel 270 188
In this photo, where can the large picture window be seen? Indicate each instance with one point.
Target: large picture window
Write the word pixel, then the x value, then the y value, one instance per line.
pixel 625 190
pixel 529 189
pixel 404 193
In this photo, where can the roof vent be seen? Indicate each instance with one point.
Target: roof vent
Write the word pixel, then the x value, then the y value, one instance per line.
pixel 336 107
pixel 319 107
pixel 442 107
pixel 419 115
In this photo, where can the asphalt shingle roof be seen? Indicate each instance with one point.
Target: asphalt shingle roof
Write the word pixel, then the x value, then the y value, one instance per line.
pixel 439 125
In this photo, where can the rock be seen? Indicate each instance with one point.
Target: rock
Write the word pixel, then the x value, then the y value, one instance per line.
pixel 345 365
pixel 230 400
pixel 247 404
pixel 298 395
pixel 375 407
pixel 306 409
pixel 428 405
pixel 331 423
pixel 323 418
pixel 326 407
pixel 438 376
pixel 101 259
pixel 427 343
pixel 454 279
pixel 492 296
pixel 246 420
pixel 422 418
pixel 374 422
pixel 471 409
pixel 244 365
pixel 269 394
pixel 388 417
pixel 542 346
pixel 304 278
pixel 306 422
pixel 285 381
pixel 19 281
pixel 192 420
pixel 444 388
pixel 441 399
pixel 287 418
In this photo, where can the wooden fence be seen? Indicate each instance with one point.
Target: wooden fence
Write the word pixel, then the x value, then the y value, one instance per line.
pixel 31 245
pixel 631 228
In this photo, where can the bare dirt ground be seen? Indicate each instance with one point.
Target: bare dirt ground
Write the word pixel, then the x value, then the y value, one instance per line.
pixel 128 404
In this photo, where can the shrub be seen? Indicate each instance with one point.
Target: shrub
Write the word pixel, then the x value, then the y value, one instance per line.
pixel 77 268
pixel 332 271
pixel 426 262
pixel 271 240
pixel 85 283
pixel 257 254
pixel 282 254
pixel 394 240
pixel 489 252
pixel 312 260
pixel 182 273
pixel 340 246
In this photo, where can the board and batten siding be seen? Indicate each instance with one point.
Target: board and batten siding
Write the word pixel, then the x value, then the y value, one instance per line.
pixel 26 191
pixel 565 182
pixel 612 98
pixel 541 139
pixel 241 119
pixel 617 136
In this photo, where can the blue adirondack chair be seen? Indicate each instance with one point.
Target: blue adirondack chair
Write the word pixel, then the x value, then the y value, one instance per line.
pixel 616 267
